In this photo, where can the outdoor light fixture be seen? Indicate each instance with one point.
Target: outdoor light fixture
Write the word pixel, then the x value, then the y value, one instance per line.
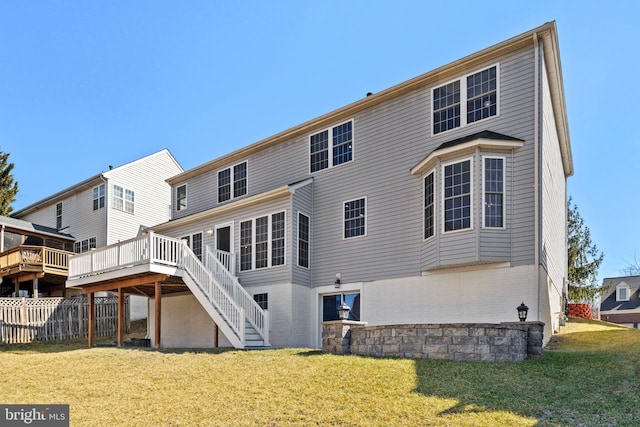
pixel 343 311
pixel 338 281
pixel 522 311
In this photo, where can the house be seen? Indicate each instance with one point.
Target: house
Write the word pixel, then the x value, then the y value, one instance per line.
pixel 621 303
pixel 439 200
pixel 34 259
pixel 110 206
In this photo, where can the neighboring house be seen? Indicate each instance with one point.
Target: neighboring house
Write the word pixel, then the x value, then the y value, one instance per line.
pixel 439 200
pixel 111 206
pixel 34 259
pixel 621 303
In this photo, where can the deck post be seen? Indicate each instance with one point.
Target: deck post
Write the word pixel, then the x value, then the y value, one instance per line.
pixel 92 326
pixel 36 291
pixel 158 307
pixel 120 317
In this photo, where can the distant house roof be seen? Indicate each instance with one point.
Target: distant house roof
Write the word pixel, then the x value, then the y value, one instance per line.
pixel 609 302
pixel 29 227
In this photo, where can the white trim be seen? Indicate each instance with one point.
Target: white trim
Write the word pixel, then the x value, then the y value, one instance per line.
pixel 484 191
pixel 366 210
pixel 463 98
pixel 186 197
pixel 435 204
pixel 232 182
pixel 297 260
pixel 330 129
pixel 471 194
pixel 269 241
pixel 623 285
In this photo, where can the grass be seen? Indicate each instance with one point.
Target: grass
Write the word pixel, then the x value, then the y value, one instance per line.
pixel 590 378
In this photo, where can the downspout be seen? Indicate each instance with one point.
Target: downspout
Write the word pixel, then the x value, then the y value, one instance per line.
pixel 536 172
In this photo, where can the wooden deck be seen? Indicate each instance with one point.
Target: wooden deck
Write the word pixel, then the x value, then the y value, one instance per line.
pixel 34 259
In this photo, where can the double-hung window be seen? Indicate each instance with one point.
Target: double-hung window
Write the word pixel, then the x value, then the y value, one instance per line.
pixel 232 182
pixel 303 240
pixel 493 194
pixel 262 242
pixel 331 147
pixel 466 100
pixel 194 242
pixel 457 195
pixel 181 197
pixel 59 216
pixel 98 197
pixel 84 245
pixel 622 292
pixel 429 205
pixel 355 218
pixel 123 199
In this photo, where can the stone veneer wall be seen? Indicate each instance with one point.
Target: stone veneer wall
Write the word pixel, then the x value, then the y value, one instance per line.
pixel 462 341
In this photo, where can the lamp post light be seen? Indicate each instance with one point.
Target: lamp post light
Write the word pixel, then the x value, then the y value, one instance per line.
pixel 338 281
pixel 343 311
pixel 522 312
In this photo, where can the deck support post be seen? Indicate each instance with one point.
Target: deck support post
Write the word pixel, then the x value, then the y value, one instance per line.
pixel 158 307
pixel 215 335
pixel 92 321
pixel 120 317
pixel 36 290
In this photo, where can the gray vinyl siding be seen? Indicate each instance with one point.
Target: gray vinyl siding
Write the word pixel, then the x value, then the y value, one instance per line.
pixel 302 202
pixel 152 195
pixel 553 256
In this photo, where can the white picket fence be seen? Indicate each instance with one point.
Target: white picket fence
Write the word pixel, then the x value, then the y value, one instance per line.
pixel 24 320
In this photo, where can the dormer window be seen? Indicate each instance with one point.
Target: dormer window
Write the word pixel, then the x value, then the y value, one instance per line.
pixel 622 292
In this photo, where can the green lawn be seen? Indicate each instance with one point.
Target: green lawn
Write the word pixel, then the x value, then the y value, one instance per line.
pixel 591 378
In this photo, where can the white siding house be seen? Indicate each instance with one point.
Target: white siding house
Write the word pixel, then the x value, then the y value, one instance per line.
pixel 439 200
pixel 111 206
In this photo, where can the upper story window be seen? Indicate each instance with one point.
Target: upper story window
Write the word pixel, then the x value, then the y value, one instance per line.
pixel 304 233
pixel 59 216
pixel 355 218
pixel 98 197
pixel 493 194
pixel 429 206
pixel 262 242
pixel 181 197
pixel 466 100
pixel 457 195
pixel 331 147
pixel 123 199
pixel 232 182
pixel 622 292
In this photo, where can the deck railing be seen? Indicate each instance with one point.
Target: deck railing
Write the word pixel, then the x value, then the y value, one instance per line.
pixel 40 258
pixel 212 278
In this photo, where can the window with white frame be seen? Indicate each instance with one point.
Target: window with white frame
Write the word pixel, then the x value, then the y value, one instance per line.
pixel 331 147
pixel 194 241
pixel 493 194
pixel 622 292
pixel 303 240
pixel 262 300
pixel 98 197
pixel 84 245
pixel 466 100
pixel 457 183
pixel 59 216
pixel 262 242
pixel 123 199
pixel 181 197
pixel 232 182
pixel 355 218
pixel 429 205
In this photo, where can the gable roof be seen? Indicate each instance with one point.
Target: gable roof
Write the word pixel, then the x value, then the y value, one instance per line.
pixel 545 34
pixel 610 303
pixel 87 183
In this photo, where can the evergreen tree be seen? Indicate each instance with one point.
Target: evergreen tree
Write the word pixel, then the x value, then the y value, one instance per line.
pixel 584 259
pixel 8 188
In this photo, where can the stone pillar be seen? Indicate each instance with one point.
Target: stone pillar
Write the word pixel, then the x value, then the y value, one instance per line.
pixel 535 335
pixel 336 336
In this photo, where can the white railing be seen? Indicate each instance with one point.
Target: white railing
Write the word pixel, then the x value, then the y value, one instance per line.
pixel 258 318
pixel 219 287
pixel 227 259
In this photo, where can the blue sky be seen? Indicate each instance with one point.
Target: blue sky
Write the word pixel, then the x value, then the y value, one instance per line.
pixel 85 85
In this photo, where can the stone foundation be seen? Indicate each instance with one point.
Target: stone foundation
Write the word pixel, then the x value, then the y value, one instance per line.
pixel 461 341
